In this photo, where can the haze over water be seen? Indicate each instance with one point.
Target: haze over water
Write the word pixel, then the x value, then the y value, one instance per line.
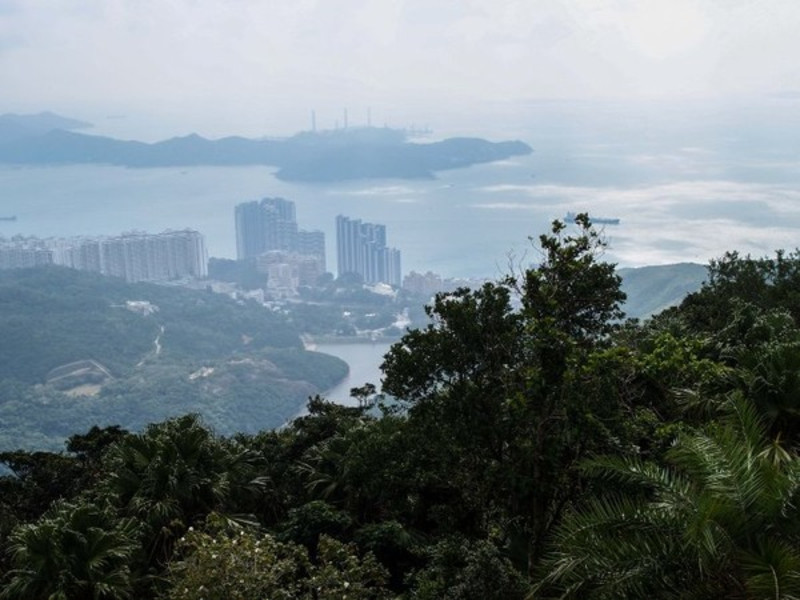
pixel 688 181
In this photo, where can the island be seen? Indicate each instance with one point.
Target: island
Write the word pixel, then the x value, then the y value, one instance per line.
pixel 311 156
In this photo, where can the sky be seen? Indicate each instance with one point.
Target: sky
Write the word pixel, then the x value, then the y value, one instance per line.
pixel 153 68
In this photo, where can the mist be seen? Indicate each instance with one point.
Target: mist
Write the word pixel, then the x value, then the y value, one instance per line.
pixel 149 70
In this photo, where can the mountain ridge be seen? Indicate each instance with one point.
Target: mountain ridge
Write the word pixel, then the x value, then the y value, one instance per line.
pixel 653 288
pixel 339 155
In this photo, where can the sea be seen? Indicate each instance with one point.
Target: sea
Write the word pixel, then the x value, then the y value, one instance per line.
pixel 364 361
pixel 687 181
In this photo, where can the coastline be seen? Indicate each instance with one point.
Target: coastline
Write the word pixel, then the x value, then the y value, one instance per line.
pixel 363 358
pixel 311 343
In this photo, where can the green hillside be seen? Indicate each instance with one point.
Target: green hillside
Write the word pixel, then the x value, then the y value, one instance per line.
pixel 653 289
pixel 81 349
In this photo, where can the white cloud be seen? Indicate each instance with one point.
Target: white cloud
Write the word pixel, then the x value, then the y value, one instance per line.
pixel 674 222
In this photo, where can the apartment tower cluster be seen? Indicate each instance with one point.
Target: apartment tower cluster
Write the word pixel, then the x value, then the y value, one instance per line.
pixel 267 233
pixel 361 248
pixel 132 256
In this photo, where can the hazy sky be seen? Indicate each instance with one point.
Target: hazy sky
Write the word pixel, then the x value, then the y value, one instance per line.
pixel 261 66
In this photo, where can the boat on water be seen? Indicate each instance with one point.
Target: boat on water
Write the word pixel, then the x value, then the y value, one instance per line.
pixel 11 218
pixel 570 218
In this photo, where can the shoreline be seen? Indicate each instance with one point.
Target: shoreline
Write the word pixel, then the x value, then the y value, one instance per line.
pixel 311 343
pixel 363 358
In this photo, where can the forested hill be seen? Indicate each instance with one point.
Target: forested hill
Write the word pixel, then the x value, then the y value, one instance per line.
pixel 357 153
pixel 650 290
pixel 79 349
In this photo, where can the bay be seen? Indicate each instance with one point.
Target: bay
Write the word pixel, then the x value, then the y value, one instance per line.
pixel 364 360
pixel 365 367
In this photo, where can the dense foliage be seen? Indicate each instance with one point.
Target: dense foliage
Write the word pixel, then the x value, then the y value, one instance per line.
pixel 534 445
pixel 52 316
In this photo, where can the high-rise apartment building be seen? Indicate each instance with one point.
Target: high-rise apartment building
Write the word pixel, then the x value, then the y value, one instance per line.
pixel 312 243
pixel 21 256
pixel 268 224
pixel 361 248
pixel 133 256
pixel 271 224
pixel 160 257
pixel 249 230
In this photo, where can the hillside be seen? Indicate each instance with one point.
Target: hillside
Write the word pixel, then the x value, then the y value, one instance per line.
pixel 80 349
pixel 15 127
pixel 652 289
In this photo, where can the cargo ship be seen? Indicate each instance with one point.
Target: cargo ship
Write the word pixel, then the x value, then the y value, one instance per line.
pixel 12 218
pixel 570 218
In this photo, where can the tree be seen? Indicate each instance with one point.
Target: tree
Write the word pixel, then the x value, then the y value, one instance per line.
pixel 463 569
pixel 173 476
pixel 505 391
pixel 38 479
pixel 767 283
pixel 73 551
pixel 230 563
pixel 762 347
pixel 572 292
pixel 719 520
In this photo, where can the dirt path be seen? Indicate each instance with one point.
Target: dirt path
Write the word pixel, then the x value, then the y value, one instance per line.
pixel 156 345
pixel 157 341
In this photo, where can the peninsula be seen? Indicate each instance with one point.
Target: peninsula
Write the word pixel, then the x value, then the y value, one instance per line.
pixel 338 155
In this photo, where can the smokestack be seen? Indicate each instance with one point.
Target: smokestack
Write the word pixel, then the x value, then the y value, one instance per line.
pixel 313 120
pixel 345 118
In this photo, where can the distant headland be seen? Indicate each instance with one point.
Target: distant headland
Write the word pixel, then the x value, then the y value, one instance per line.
pixel 337 155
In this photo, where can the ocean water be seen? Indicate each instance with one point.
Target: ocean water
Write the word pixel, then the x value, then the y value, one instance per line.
pixel 687 184
pixel 364 361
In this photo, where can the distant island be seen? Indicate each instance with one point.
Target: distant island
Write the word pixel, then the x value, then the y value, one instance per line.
pixel 338 155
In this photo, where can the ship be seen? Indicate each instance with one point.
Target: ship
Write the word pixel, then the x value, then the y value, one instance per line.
pixel 11 218
pixel 570 218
